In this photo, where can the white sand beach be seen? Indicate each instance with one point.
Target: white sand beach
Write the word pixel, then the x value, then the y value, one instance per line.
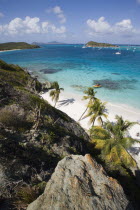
pixel 9 50
pixel 74 106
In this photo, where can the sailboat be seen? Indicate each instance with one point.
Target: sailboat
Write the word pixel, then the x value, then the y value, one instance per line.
pixel 119 52
pixel 84 46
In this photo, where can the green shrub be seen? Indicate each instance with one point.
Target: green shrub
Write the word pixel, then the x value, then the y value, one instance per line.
pixel 38 86
pixel 28 194
pixel 48 137
pixel 13 118
pixel 6 66
pixel 37 101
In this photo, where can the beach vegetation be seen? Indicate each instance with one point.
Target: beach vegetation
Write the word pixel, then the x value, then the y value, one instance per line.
pixel 112 142
pixel 16 45
pixel 90 95
pixel 96 111
pixel 54 94
pixel 35 136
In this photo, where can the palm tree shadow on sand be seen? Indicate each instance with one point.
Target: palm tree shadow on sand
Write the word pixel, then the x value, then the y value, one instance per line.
pixel 66 102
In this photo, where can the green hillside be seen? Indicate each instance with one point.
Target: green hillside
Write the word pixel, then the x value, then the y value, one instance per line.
pixel 97 44
pixel 16 45
pixel 34 136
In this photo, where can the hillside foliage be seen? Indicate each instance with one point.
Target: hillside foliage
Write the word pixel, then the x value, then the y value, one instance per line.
pixel 97 44
pixel 16 45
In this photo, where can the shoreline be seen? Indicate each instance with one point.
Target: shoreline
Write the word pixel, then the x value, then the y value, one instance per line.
pixel 73 105
pixel 9 50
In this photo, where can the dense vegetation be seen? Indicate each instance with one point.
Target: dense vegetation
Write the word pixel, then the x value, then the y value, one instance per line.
pixel 34 136
pixel 97 44
pixel 109 144
pixel 16 45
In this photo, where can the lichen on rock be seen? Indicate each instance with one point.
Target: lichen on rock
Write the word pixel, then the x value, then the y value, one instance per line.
pixel 80 183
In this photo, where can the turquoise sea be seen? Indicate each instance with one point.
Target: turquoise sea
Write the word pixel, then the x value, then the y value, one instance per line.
pixel 75 68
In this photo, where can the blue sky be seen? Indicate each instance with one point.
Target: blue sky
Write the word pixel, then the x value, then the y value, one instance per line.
pixel 72 21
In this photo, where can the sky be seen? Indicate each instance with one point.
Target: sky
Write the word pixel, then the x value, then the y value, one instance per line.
pixel 70 21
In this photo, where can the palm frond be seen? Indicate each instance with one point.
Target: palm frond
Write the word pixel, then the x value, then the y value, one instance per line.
pixel 52 94
pixel 112 143
pixel 109 144
pixel 99 144
pixel 97 132
pixel 127 142
pixel 126 158
pixel 85 97
pixel 113 156
pixel 92 119
pixel 105 115
pixel 124 125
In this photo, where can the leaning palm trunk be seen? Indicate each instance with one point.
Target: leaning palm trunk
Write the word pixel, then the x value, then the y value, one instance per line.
pixel 96 110
pixel 55 103
pixel 100 121
pixel 93 122
pixel 90 94
pixel 56 97
pixel 83 114
pixel 89 103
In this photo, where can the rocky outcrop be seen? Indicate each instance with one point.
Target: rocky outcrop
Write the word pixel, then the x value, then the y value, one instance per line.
pixel 34 136
pixel 80 183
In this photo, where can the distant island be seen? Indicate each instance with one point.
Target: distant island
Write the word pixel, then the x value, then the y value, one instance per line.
pixel 53 42
pixel 16 46
pixel 97 44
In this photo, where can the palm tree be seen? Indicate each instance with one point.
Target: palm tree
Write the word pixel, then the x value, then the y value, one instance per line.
pixel 96 110
pixel 90 94
pixel 113 142
pixel 54 94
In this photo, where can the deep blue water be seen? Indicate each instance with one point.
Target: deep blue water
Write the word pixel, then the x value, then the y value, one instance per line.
pixel 75 68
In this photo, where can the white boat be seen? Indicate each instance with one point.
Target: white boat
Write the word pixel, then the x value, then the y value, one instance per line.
pixel 117 53
pixel 84 46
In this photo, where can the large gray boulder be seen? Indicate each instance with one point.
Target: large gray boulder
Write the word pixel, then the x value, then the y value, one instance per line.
pixel 79 183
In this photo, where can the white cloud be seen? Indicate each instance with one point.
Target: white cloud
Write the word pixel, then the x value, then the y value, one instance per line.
pixel 60 30
pixel 57 10
pixel 30 26
pixel 126 24
pixel 99 26
pixel 46 28
pixel 1 15
pixel 1 29
pixel 26 26
pixel 62 18
pixel 138 1
pixel 59 13
pixel 102 27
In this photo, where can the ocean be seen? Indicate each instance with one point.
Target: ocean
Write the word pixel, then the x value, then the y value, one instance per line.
pixel 76 68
